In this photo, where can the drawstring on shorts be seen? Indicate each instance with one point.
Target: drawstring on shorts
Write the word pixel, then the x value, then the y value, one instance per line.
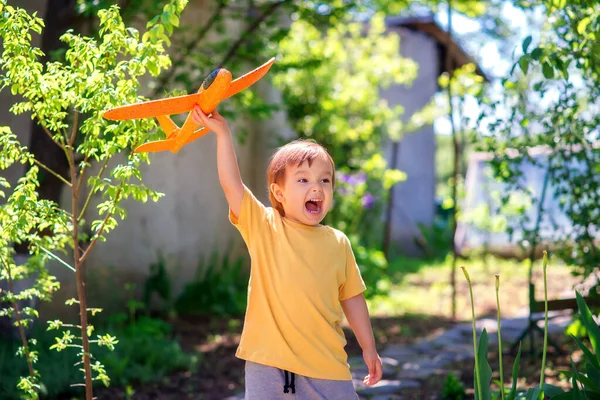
pixel 288 385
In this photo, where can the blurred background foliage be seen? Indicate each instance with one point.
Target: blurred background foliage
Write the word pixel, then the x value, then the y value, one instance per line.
pixel 330 77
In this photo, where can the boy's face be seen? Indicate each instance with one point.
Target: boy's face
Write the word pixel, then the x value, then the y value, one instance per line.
pixel 307 191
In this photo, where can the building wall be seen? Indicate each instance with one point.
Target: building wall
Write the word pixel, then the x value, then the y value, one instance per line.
pixel 414 198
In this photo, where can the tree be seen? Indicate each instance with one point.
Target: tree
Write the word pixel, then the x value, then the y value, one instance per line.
pixel 553 98
pixel 67 99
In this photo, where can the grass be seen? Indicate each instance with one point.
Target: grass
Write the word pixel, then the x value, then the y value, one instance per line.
pixel 423 287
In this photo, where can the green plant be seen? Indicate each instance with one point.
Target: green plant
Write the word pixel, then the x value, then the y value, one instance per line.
pixel 585 385
pixel 453 388
pixel 483 371
pixel 158 282
pixel 66 98
pixel 146 351
pixel 219 288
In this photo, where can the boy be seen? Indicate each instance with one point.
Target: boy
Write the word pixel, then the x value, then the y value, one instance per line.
pixel 303 275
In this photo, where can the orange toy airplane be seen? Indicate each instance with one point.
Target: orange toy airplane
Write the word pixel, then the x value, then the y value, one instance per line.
pixel 215 88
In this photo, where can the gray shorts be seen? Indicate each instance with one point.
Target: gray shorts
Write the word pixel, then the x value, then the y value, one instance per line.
pixel 268 383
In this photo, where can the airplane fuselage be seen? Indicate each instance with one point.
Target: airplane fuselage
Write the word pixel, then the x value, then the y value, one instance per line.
pixel 212 90
pixel 216 87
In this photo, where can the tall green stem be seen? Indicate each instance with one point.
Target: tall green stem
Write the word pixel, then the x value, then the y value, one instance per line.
pixel 499 338
pixel 545 264
pixel 477 374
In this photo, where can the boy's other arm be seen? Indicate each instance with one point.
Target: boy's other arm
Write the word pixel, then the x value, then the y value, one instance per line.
pixel 227 165
pixel 357 314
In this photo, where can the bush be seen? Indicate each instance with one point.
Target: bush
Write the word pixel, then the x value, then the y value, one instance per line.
pixel 145 352
pixel 219 288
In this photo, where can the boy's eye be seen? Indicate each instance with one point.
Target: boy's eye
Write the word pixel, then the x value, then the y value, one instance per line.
pixel 302 180
pixel 325 180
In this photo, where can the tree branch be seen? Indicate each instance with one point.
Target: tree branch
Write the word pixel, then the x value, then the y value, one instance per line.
pixel 189 47
pixel 74 131
pixel 89 196
pixel 246 35
pixel 95 240
pixel 50 135
pixel 81 174
pixel 52 172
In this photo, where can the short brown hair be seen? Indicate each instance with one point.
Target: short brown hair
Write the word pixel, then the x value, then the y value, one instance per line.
pixel 292 154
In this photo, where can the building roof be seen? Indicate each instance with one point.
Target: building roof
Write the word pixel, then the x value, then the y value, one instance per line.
pixel 429 26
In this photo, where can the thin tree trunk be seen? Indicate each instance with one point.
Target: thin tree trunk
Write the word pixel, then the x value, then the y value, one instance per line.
pixel 450 69
pixel 78 261
pixel 19 324
pixel 390 206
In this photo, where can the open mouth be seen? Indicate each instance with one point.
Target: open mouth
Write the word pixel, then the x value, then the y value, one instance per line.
pixel 313 206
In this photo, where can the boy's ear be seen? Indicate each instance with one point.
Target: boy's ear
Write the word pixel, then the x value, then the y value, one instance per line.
pixel 277 193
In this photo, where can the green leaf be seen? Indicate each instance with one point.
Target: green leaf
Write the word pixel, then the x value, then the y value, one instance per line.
pixel 536 53
pixel 588 384
pixel 174 20
pixel 535 393
pixel 548 70
pixel 582 25
pixel 590 325
pixel 551 390
pixel 593 373
pixel 577 394
pixel 524 64
pixel 564 396
pixel 589 356
pixel 485 370
pixel 526 44
pixel 515 376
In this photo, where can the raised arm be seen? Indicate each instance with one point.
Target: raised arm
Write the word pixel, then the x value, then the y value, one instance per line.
pixel 227 165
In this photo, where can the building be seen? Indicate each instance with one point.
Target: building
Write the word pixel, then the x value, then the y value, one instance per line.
pixel 413 201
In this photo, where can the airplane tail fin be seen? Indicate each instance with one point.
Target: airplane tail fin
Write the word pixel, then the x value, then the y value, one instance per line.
pixel 167 125
pixel 200 132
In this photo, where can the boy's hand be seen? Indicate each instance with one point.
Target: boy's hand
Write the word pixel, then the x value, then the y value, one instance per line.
pixel 215 123
pixel 373 362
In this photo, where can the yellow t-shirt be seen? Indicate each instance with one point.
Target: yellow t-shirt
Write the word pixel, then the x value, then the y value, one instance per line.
pixel 298 276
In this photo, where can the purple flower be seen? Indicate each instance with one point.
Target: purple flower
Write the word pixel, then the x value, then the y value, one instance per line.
pixel 367 200
pixel 343 177
pixel 356 179
pixel 361 177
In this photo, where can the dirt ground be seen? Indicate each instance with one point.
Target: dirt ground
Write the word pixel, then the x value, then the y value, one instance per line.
pixel 220 373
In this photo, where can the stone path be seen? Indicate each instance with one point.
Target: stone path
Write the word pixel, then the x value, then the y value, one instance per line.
pixel 407 366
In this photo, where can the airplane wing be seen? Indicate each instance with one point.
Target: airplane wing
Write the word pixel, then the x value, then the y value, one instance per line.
pixel 153 108
pixel 248 79
pixel 167 144
pixel 158 145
